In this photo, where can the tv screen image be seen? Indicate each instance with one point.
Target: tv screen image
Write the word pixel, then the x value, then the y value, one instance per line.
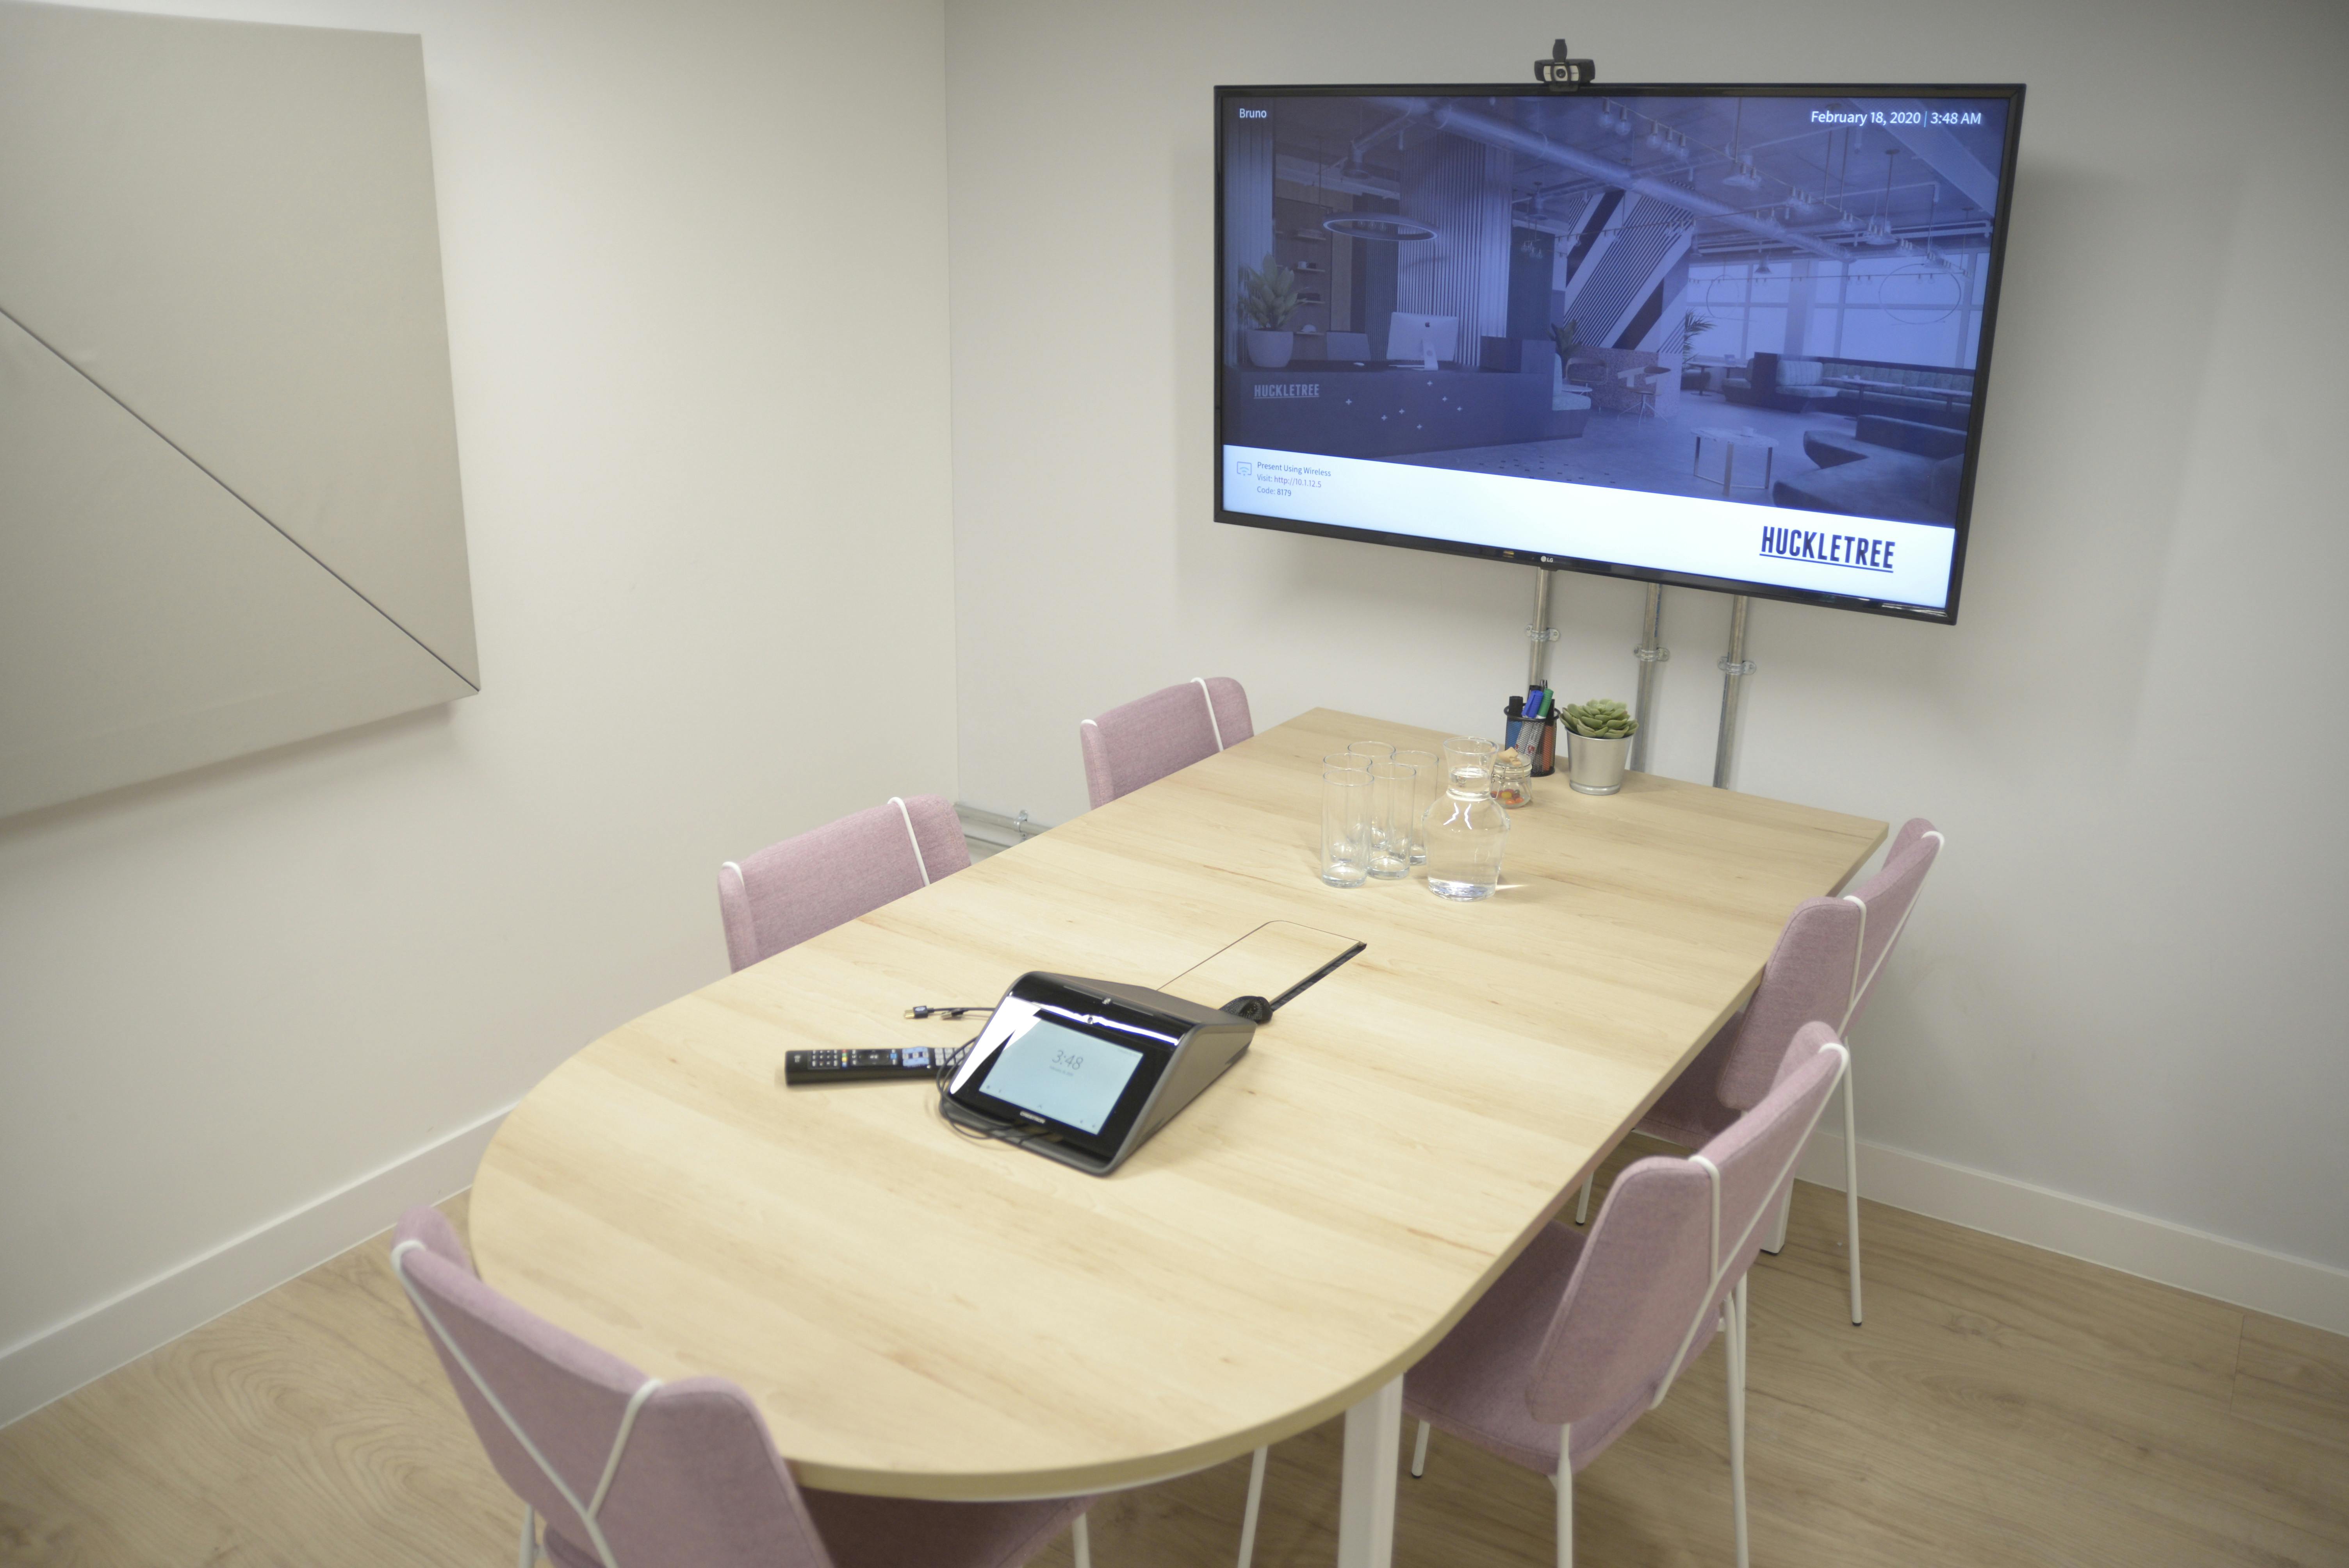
pixel 1736 338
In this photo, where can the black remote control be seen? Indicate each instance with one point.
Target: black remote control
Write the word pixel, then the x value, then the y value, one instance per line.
pixel 848 1066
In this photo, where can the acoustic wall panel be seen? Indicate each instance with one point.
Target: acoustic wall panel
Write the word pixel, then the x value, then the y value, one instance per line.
pixel 149 612
pixel 225 233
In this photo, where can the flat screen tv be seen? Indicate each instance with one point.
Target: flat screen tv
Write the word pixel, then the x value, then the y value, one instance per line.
pixel 1730 337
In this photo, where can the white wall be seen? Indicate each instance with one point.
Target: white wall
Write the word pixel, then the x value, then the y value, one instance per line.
pixel 2123 983
pixel 695 263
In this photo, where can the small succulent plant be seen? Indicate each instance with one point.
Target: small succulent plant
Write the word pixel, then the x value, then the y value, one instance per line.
pixel 1601 718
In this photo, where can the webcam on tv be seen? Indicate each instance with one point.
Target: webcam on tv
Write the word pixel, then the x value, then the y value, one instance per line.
pixel 1561 75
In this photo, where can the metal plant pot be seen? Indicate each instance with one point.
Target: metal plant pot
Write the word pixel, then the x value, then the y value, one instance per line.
pixel 1595 767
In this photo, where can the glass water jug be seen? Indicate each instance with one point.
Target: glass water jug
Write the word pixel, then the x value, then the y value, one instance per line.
pixel 1467 827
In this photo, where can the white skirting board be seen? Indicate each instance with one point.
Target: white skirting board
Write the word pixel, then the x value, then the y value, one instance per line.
pixel 2233 1272
pixel 58 1360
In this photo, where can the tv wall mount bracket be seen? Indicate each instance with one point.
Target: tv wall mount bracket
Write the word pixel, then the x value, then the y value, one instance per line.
pixel 1562 74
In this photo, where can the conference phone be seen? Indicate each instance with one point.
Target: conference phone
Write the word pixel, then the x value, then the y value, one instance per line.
pixel 1084 1071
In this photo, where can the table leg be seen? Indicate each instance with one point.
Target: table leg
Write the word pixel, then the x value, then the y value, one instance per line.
pixel 1366 1498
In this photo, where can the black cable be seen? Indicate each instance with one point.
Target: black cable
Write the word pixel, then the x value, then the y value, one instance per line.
pixel 943 1079
pixel 1264 1010
pixel 1315 978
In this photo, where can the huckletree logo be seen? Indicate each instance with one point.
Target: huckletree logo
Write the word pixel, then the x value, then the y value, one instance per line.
pixel 1860 551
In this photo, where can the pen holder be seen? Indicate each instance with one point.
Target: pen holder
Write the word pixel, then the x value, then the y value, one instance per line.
pixel 1534 738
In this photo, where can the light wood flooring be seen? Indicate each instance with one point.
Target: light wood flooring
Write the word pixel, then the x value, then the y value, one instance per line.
pixel 2002 1406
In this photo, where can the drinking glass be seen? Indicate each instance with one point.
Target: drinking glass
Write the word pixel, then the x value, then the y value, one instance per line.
pixel 1345 826
pixel 1371 751
pixel 1429 783
pixel 1469 753
pixel 1391 787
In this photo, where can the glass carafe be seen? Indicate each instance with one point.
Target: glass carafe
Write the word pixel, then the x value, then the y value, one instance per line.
pixel 1466 827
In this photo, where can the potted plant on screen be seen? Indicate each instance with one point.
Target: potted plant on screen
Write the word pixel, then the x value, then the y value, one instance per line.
pixel 1568 336
pixel 1597 744
pixel 1268 299
pixel 1694 326
pixel 1569 404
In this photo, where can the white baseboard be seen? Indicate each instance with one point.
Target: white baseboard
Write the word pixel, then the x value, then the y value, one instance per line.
pixel 2274 1283
pixel 59 1359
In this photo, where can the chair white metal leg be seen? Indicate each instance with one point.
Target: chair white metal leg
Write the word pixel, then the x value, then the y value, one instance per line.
pixel 1084 1543
pixel 1851 1190
pixel 1255 1503
pixel 529 1558
pixel 1582 1204
pixel 1736 1348
pixel 1777 1242
pixel 1366 1495
pixel 1564 1481
pixel 1419 1452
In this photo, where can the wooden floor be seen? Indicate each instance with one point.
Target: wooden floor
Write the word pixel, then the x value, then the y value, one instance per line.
pixel 2002 1406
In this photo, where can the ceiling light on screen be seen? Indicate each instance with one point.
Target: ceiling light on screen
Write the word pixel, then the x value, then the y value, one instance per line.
pixel 1378 226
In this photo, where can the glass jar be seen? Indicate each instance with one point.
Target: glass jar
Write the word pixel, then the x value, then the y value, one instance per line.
pixel 1511 769
pixel 1466 827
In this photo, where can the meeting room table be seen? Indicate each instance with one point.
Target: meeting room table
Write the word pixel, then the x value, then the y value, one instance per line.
pixel 920 1315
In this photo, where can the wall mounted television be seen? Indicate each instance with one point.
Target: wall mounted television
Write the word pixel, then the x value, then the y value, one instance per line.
pixel 1728 337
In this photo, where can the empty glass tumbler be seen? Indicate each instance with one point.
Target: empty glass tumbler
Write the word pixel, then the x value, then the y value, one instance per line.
pixel 1429 783
pixel 1345 826
pixel 1391 787
pixel 1466 828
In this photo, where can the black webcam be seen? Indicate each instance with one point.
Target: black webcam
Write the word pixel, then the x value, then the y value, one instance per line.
pixel 1561 75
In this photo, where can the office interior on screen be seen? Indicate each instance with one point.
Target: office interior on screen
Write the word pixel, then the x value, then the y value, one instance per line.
pixel 1573 288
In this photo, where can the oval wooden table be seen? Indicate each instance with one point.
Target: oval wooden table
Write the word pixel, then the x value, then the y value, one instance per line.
pixel 920 1315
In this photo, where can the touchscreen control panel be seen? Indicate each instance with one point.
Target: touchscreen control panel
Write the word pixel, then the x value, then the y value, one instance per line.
pixel 1084 1071
pixel 1055 1072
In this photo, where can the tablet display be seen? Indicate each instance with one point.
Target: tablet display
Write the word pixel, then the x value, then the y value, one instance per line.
pixel 1058 1073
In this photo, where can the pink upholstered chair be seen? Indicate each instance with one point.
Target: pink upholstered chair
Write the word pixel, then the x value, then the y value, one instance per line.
pixel 631 1472
pixel 1151 736
pixel 828 876
pixel 1824 967
pixel 1586 1331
